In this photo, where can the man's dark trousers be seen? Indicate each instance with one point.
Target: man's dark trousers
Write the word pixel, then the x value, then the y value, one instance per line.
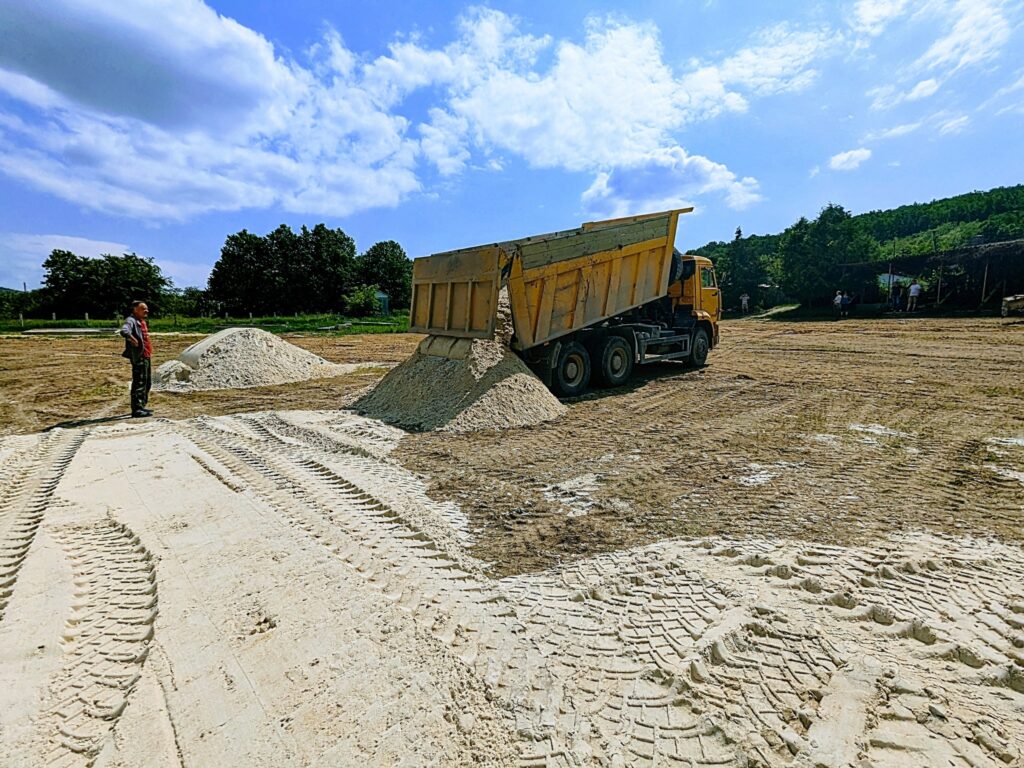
pixel 142 380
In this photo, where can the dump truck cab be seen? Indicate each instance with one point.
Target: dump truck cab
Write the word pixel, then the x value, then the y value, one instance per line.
pixel 696 292
pixel 588 305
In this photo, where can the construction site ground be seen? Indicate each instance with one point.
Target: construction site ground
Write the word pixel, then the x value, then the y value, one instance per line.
pixel 807 553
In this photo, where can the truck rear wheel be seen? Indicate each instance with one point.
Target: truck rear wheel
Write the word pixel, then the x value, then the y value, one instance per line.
pixel 615 361
pixel 572 372
pixel 701 345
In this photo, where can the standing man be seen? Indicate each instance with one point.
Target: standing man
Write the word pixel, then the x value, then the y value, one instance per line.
pixel 139 350
pixel 744 303
pixel 915 291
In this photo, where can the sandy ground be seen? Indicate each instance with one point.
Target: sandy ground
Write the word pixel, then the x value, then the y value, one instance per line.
pixel 807 554
pixel 47 381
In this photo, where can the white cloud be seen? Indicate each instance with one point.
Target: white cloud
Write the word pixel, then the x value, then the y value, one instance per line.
pixel 923 90
pixel 871 17
pixel 891 133
pixel 665 179
pixel 172 110
pixel 887 96
pixel 781 60
pixel 975 33
pixel 22 255
pixel 954 125
pixel 850 160
pixel 980 30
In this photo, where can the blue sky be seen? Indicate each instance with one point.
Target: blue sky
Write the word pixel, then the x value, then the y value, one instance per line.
pixel 161 126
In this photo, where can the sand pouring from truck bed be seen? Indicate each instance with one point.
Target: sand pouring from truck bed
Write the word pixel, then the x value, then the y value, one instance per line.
pixel 242 357
pixel 486 387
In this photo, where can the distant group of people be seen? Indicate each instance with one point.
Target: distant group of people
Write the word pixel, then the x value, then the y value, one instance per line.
pixel 842 303
pixel 905 300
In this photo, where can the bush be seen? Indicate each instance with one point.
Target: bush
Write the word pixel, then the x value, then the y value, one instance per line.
pixel 363 302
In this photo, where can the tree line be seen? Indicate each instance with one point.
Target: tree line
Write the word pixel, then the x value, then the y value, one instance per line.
pixel 804 262
pixel 283 272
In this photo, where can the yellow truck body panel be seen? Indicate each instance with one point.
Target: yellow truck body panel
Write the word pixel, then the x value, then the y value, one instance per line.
pixel 456 293
pixel 558 283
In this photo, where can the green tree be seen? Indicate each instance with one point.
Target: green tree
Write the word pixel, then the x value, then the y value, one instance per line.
pixel 244 278
pixel 331 256
pixel 308 271
pixel 103 286
pixel 386 265
pixel 811 254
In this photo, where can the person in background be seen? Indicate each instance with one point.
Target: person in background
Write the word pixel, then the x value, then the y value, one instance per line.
pixel 844 305
pixel 744 302
pixel 897 297
pixel 837 304
pixel 915 291
pixel 139 351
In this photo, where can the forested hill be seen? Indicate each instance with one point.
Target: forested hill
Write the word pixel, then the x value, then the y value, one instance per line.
pixel 995 215
pixel 806 261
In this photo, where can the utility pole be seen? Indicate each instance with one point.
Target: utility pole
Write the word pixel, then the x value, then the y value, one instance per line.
pixel 984 284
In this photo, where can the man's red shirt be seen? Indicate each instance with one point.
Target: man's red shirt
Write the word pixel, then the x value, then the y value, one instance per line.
pixel 147 345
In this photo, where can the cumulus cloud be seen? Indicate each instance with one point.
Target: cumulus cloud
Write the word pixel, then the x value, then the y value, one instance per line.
pixel 665 179
pixel 850 160
pixel 164 109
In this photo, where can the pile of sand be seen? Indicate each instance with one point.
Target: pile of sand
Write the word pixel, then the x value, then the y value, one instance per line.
pixel 242 357
pixel 462 385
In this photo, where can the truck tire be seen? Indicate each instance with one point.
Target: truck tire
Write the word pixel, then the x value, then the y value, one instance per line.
pixel 701 345
pixel 615 362
pixel 572 372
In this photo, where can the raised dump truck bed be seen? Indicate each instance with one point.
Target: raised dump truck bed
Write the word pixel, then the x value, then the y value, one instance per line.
pixel 614 292
pixel 558 283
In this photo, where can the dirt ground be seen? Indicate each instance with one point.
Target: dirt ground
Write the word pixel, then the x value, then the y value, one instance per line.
pixel 46 381
pixel 828 432
pixel 805 554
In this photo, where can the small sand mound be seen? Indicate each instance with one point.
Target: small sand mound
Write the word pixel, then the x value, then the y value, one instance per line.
pixel 486 387
pixel 242 357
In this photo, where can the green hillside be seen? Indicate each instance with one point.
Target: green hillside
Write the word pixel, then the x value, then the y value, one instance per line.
pixel 804 262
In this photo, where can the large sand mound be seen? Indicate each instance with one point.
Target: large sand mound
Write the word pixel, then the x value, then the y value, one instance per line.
pixel 485 386
pixel 463 385
pixel 242 357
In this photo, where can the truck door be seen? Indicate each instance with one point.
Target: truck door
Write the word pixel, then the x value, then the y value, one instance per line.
pixel 710 298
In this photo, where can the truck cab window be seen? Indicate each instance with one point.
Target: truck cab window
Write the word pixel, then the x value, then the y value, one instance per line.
pixel 707 278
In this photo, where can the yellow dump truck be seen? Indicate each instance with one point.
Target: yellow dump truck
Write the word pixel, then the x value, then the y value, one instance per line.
pixel 586 303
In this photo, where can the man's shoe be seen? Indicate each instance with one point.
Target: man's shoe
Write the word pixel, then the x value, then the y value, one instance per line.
pixel 146 411
pixel 140 414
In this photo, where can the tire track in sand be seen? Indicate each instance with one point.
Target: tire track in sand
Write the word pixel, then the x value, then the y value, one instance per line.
pixel 570 698
pixel 29 481
pixel 106 641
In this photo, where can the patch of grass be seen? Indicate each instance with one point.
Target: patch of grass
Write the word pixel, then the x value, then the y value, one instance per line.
pixel 325 324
